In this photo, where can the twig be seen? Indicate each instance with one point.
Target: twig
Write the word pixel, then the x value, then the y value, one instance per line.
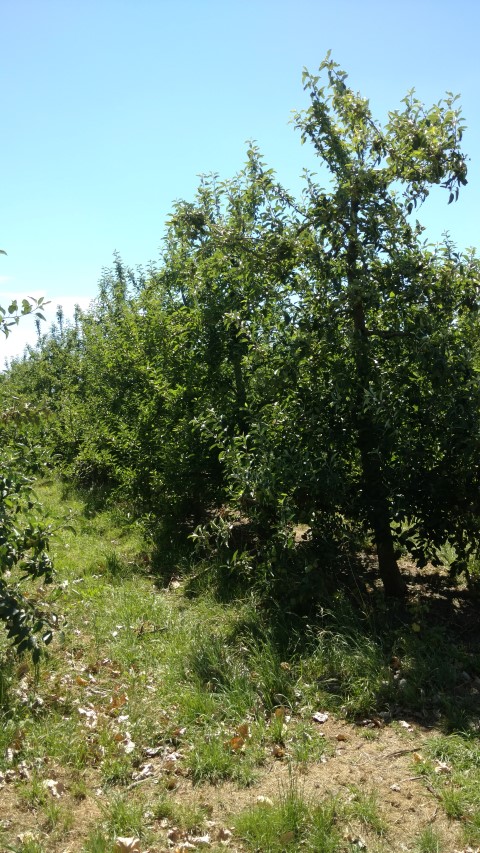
pixel 401 752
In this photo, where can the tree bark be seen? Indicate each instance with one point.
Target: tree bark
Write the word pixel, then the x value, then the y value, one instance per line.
pixel 379 512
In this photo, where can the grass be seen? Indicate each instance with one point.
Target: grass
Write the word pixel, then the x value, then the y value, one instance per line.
pixel 429 841
pixel 291 823
pixel 209 693
pixel 451 768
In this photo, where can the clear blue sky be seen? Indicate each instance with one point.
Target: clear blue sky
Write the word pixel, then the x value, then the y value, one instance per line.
pixel 112 108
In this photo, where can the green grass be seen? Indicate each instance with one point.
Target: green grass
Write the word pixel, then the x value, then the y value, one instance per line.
pixel 429 841
pixel 363 807
pixel 291 823
pixel 452 769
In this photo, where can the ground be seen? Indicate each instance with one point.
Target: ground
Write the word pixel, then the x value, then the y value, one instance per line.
pixel 166 722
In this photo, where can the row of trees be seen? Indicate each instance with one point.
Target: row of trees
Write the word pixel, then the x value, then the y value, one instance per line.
pixel 290 361
pixel 24 538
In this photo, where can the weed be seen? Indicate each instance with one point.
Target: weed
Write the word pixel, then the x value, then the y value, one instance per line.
pixel 364 808
pixel 307 744
pixel 97 842
pixel 211 761
pixel 57 818
pixel 33 793
pixel 29 845
pixel 275 828
pixel 429 841
pixel 458 783
pixel 291 823
pixel 123 817
pixel 118 568
pixel 186 817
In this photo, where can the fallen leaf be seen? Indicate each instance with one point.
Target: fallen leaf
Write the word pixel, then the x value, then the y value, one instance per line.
pixel 243 730
pixel 127 845
pixel 178 732
pixel 117 701
pixel 127 744
pixel 175 835
pixel 90 716
pixel 320 716
pixel 144 772
pixel 357 840
pixel 200 840
pixel 235 743
pixel 26 838
pixel 224 836
pixel 55 787
pixel 152 751
pixel 442 767
pixel 278 751
pixel 341 737
pixel 264 801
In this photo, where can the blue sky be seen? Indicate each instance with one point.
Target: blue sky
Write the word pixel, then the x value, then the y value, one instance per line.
pixel 112 108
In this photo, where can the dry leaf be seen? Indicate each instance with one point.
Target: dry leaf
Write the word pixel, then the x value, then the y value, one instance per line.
pixel 127 845
pixel 243 730
pixel 278 751
pixel 82 682
pixel 341 737
pixel 355 839
pixel 320 716
pixel 90 716
pixel 55 787
pixel 144 772
pixel 200 840
pixel 442 767
pixel 178 732
pixel 417 757
pixel 117 701
pixel 285 666
pixel 224 836
pixel 235 743
pixel 152 751
pixel 26 838
pixel 175 835
pixel 127 744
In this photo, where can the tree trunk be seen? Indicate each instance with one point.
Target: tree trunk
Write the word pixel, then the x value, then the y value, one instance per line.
pixel 379 513
pixel 375 491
